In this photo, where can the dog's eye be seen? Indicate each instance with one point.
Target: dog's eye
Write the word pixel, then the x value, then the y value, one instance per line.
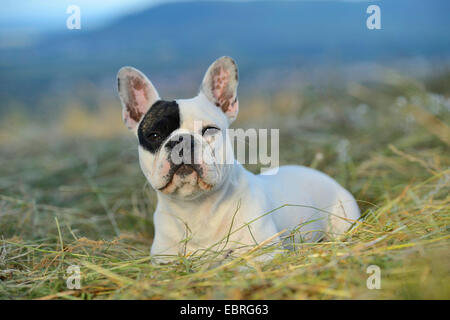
pixel 153 135
pixel 210 130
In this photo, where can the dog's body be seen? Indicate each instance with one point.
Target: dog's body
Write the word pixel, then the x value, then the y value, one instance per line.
pixel 247 197
pixel 209 204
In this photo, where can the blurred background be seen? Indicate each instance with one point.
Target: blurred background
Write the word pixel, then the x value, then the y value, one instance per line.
pixel 279 45
pixel 341 93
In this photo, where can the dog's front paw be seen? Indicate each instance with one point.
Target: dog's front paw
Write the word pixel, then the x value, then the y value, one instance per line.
pixel 162 259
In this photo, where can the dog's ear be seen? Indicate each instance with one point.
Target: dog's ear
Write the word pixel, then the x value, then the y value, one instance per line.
pixel 137 95
pixel 219 85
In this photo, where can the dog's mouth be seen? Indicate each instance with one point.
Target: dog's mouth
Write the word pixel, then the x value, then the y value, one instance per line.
pixel 184 174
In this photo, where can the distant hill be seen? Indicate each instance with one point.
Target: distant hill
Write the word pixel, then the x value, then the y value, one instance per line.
pixel 170 38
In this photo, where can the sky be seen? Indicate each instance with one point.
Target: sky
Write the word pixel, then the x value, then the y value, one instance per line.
pixel 23 22
pixel 43 15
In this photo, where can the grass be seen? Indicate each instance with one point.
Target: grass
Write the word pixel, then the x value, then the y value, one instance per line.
pixel 71 193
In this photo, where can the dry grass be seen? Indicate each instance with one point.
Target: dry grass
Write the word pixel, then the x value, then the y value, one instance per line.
pixel 71 193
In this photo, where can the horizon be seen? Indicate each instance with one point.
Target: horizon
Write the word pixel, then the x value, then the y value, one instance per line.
pixel 43 17
pixel 298 42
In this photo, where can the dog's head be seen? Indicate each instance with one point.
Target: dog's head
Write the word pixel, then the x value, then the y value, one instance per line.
pixel 184 150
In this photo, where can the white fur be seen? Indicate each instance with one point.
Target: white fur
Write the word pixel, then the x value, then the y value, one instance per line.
pixel 319 198
pixel 190 219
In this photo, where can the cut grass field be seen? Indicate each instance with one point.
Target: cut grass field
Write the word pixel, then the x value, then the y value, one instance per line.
pixel 71 193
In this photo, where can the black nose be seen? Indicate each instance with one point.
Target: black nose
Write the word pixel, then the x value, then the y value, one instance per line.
pixel 186 145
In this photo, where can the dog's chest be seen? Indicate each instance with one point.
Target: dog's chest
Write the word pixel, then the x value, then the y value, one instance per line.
pixel 212 233
pixel 222 232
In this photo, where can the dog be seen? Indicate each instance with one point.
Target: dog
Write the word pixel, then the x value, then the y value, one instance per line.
pixel 206 204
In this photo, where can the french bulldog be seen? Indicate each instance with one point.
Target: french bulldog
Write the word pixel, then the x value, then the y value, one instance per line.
pixel 207 200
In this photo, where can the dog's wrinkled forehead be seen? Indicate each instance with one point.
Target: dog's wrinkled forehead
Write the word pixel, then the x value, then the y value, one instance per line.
pixel 158 123
pixel 200 112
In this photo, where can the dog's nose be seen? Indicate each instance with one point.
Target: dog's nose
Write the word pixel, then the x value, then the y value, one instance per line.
pixel 186 139
pixel 185 144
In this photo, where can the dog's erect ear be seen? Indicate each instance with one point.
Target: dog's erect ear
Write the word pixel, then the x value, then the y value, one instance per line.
pixel 137 95
pixel 220 86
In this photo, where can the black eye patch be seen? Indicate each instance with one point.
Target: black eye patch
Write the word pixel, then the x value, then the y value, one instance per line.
pixel 159 122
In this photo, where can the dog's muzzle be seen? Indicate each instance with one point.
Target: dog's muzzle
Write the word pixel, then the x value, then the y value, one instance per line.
pixel 184 170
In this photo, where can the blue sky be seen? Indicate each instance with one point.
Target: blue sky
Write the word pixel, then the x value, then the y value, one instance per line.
pixel 49 14
pixel 23 22
pixel 27 18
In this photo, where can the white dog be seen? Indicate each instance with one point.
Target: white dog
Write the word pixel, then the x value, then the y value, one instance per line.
pixel 208 203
